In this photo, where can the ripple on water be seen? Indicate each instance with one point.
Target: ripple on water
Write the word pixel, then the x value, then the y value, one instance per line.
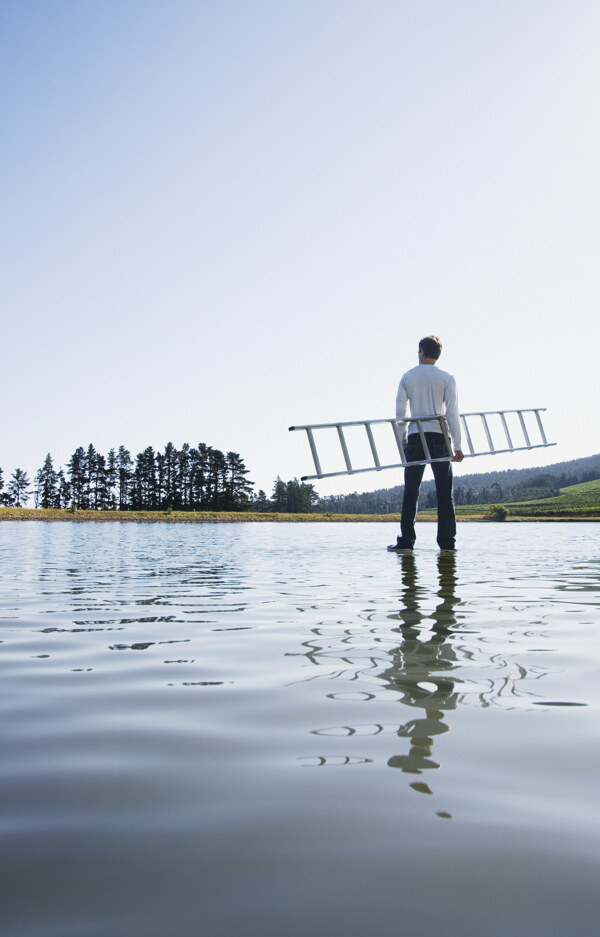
pixel 163 688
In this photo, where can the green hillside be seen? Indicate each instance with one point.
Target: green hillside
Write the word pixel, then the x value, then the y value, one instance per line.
pixel 582 500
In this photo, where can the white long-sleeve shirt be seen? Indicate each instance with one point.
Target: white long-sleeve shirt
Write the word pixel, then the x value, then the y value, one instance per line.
pixel 430 392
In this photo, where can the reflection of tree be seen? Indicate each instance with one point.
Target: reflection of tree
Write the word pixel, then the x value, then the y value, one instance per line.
pixel 419 669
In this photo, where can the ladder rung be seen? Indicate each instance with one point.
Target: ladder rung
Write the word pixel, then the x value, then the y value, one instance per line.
pixel 344 447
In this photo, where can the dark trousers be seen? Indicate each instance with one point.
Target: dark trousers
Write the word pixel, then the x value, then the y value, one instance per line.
pixel 413 475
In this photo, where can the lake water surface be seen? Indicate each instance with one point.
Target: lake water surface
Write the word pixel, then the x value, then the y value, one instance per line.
pixel 283 730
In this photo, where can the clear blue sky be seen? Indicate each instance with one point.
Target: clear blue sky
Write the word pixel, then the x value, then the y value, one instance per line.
pixel 222 218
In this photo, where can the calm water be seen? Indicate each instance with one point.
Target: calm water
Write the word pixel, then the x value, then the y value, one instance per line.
pixel 284 730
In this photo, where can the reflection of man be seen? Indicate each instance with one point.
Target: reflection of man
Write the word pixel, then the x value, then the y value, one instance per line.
pixel 430 392
pixel 421 670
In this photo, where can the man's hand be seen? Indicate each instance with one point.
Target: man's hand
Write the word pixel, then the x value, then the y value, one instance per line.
pixel 458 456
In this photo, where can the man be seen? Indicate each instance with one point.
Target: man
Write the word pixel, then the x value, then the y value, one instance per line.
pixel 430 392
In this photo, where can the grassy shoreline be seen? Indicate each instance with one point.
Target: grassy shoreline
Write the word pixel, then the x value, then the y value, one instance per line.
pixel 231 517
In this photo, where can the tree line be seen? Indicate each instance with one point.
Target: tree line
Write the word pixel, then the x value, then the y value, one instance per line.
pixel 501 487
pixel 292 497
pixel 203 478
pixel 193 478
pixel 188 479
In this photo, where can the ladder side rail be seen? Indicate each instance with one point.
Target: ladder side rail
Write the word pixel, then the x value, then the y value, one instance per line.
pixel 506 430
pixel 342 423
pixel 345 452
pixel 538 445
pixel 398 465
pixel 495 412
pixel 372 445
pixel 433 416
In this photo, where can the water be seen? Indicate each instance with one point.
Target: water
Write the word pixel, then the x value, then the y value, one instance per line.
pixel 283 730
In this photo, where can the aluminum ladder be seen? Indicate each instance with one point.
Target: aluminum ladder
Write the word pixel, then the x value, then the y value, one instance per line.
pixel 515 438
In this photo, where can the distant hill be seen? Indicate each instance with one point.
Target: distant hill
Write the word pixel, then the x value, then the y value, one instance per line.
pixel 580 500
pixel 508 486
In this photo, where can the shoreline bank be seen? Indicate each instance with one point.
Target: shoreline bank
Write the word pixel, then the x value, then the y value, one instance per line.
pixel 233 517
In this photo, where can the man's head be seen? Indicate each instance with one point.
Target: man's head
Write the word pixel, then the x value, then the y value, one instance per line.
pixel 430 347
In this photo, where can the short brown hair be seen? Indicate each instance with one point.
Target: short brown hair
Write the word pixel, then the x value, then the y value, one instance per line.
pixel 431 346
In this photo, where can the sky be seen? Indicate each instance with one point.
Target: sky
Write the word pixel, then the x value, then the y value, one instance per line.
pixel 219 219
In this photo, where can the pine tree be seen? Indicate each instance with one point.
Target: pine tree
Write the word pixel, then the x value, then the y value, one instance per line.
pixel 279 497
pixel 293 496
pixel 199 485
pixel 205 473
pixel 77 474
pixel 145 487
pixel 260 502
pixel 17 487
pixel 46 485
pixel 124 478
pixel 64 490
pixel 111 480
pixel 37 481
pixel 217 477
pixel 161 494
pixel 308 498
pixel 237 488
pixel 100 486
pixel 183 474
pixel 169 486
pixel 91 463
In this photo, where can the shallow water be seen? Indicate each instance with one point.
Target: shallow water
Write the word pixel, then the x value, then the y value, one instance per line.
pixel 282 729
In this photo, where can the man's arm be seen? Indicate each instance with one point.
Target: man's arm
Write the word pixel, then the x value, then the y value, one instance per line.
pixel 453 418
pixel 401 408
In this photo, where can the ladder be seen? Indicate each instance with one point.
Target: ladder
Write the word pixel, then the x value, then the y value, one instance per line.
pixel 518 431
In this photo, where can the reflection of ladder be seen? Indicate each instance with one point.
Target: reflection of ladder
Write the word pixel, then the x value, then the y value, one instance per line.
pixel 520 432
